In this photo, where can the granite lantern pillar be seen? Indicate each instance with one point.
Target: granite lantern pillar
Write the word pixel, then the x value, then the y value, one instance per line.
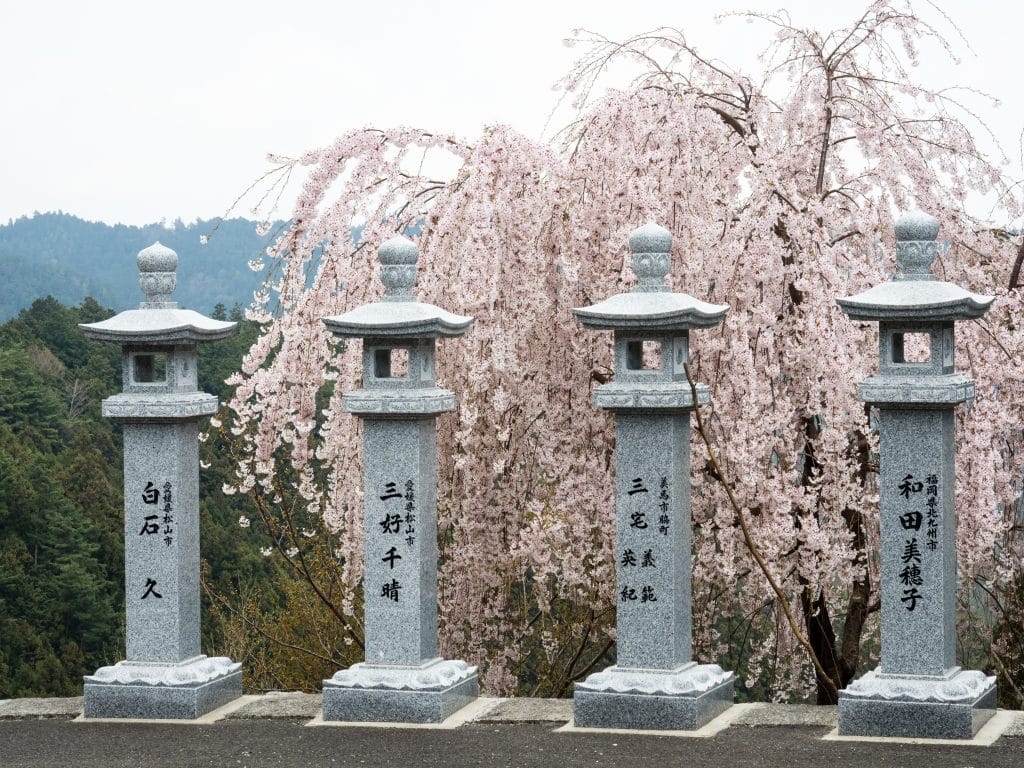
pixel 402 678
pixel 655 683
pixel 917 690
pixel 165 675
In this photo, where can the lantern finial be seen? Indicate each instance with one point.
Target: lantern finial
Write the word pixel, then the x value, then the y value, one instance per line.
pixel 398 257
pixel 915 246
pixel 652 248
pixel 158 278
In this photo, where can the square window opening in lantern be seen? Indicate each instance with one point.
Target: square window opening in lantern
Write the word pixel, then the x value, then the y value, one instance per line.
pixel 149 369
pixel 643 355
pixel 392 363
pixel 913 348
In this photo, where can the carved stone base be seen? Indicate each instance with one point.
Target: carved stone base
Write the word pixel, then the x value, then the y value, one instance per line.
pixel 952 706
pixel 162 691
pixel 656 396
pixel 381 693
pixel 683 699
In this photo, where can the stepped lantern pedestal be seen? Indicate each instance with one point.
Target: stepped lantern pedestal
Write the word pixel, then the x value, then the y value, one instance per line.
pixel 655 683
pixel 917 690
pixel 165 675
pixel 402 678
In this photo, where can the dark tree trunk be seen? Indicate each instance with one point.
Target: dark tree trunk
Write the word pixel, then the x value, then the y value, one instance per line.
pixel 841 663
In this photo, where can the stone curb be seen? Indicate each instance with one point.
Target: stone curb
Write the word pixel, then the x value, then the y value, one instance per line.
pixel 279 705
pixel 307 706
pixel 29 709
pixel 761 714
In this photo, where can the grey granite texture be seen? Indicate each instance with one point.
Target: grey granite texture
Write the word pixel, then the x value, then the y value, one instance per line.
pixel 431 675
pixel 158 319
pixel 650 306
pixel 690 679
pixel 163 326
pixel 651 245
pixel 382 374
pixel 276 705
pixel 918 635
pixel 164 675
pixel 915 226
pixel 399 314
pixel 650 310
pixel 18 709
pixel 608 709
pixel 917 690
pixel 655 684
pixel 391 705
pixel 402 403
pixel 914 293
pixel 159 408
pixel 956 687
pixel 892 353
pixel 400 582
pixel 652 540
pixel 192 672
pixel 655 396
pixel 402 679
pixel 160 702
pixel 161 538
pixel 916 392
pixel 916 300
pixel 158 265
pixel 398 257
pixel 398 319
pixel 661 389
pixel 919 720
pixel 391 393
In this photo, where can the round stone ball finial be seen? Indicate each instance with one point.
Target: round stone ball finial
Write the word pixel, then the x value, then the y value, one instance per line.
pixel 158 278
pixel 651 245
pixel 916 232
pixel 398 257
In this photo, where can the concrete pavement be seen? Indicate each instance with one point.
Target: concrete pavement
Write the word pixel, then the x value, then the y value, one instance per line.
pixel 274 731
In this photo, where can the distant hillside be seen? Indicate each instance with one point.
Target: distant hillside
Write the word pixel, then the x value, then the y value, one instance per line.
pixel 64 256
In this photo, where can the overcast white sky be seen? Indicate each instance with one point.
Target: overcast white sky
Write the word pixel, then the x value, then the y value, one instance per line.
pixel 136 111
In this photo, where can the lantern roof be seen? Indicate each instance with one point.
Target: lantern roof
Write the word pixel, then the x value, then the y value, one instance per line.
pixel 651 305
pixel 914 293
pixel 158 320
pixel 399 314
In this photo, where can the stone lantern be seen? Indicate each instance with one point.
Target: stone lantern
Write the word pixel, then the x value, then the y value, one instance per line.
pixel 165 675
pixel 917 690
pixel 402 678
pixel 655 683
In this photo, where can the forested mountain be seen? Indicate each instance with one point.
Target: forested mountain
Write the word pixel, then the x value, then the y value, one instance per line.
pixel 63 256
pixel 61 535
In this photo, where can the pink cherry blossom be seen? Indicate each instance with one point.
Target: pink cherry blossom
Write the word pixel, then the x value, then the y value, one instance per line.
pixel 780 188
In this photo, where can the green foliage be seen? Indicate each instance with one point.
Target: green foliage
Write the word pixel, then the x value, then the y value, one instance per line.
pixel 288 640
pixel 61 548
pixel 57 607
pixel 61 534
pixel 28 403
pixel 61 529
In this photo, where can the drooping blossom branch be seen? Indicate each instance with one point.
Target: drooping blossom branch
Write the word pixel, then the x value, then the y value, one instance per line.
pixel 780 189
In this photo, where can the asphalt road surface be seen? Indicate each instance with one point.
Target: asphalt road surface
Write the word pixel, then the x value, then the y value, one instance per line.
pixel 286 743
